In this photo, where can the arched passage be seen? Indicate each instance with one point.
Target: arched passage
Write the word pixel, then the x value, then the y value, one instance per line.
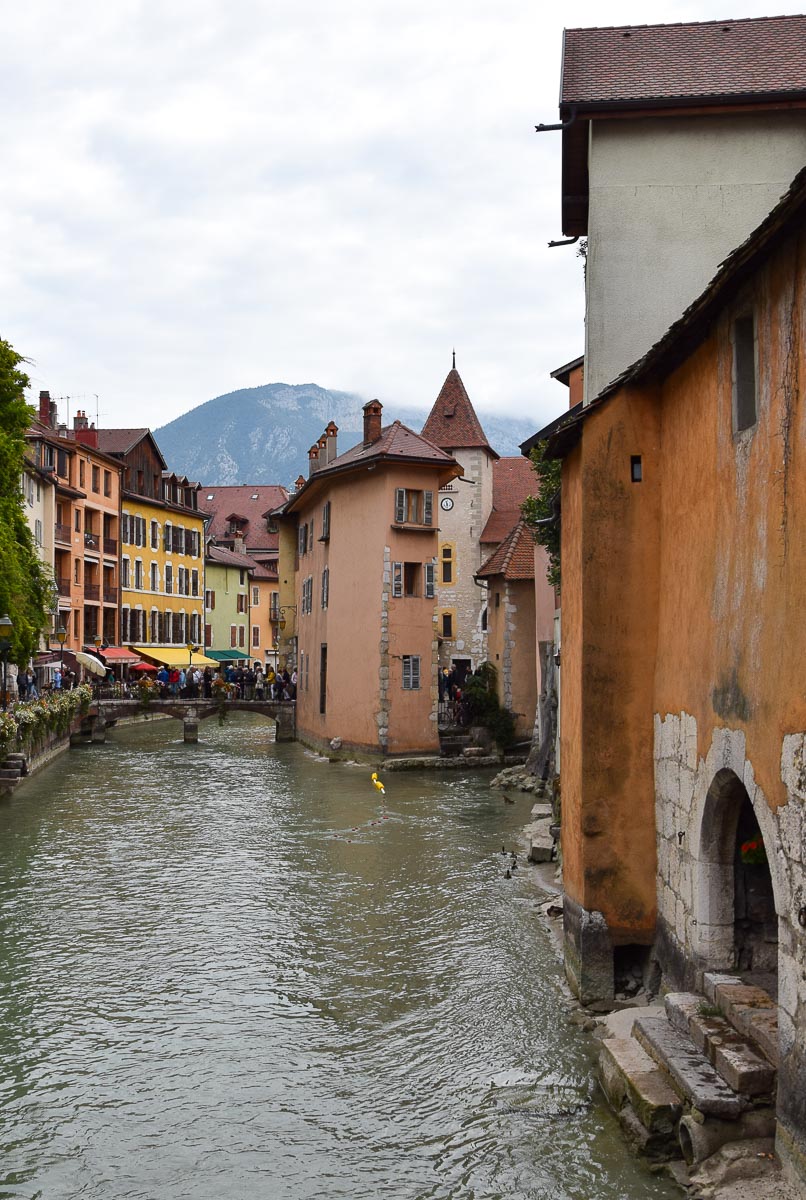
pixel 737 923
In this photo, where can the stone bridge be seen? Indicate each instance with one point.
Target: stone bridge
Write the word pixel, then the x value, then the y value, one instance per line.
pixel 190 712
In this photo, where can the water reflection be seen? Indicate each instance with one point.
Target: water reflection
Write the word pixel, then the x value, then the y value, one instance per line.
pixel 233 970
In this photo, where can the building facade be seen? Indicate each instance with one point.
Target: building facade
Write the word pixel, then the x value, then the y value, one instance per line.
pixel 162 546
pixel 228 604
pixel 364 561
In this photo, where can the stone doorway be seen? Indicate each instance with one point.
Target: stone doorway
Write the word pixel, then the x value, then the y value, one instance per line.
pixel 738 924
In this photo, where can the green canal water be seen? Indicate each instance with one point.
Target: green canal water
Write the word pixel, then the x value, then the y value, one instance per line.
pixel 227 971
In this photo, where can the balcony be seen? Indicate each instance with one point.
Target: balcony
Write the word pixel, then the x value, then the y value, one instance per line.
pixel 63 585
pixel 62 533
pixel 110 595
pixel 91 541
pixel 92 591
pixel 110 546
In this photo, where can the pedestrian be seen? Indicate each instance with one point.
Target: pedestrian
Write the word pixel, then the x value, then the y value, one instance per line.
pixel 33 690
pixel 259 683
pixel 57 680
pixel 249 683
pixel 22 685
pixel 207 683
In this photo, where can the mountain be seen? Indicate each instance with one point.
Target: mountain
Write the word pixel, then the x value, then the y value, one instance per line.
pixel 262 434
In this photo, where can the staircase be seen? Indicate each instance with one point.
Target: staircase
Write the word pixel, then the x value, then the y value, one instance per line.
pixel 696 1073
pixel 12 769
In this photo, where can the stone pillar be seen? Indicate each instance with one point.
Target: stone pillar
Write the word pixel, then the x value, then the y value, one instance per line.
pixel 190 727
pixel 99 729
pixel 286 722
pixel 588 955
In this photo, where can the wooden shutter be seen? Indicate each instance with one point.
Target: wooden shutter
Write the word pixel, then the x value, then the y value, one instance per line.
pixel 406 672
pixel 400 506
pixel 397 579
pixel 428 508
pixel 429 580
pixel 326 521
pixel 415 672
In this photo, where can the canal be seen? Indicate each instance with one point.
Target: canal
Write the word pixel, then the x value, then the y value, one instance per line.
pixel 228 971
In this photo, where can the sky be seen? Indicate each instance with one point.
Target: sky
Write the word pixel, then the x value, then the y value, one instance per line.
pixel 204 195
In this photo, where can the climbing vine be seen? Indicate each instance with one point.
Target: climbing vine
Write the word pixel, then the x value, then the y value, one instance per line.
pixel 541 512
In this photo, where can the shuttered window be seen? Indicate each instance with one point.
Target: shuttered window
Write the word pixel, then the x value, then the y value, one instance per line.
pixel 397 579
pixel 411 672
pixel 430 572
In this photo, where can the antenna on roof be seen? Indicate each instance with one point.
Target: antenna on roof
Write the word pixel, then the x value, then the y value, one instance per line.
pixel 454 360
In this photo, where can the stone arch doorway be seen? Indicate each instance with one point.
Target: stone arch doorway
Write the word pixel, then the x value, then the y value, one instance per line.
pixel 737 918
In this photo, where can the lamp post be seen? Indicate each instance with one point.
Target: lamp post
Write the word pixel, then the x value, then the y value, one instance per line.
pixel 281 623
pixel 6 626
pixel 189 684
pixel 61 637
pixel 98 641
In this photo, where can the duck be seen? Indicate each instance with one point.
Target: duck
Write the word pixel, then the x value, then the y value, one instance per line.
pixel 377 783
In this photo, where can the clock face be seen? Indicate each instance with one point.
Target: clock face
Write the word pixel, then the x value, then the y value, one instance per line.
pixel 446 503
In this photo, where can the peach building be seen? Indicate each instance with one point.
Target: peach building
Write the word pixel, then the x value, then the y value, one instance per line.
pixel 684 713
pixel 366 530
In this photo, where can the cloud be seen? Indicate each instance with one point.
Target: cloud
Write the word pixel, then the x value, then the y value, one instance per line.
pixel 208 195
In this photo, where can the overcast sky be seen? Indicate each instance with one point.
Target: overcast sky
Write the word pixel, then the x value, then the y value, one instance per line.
pixel 203 195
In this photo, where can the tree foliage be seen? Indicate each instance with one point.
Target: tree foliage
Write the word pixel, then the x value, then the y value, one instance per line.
pixel 541 512
pixel 483 707
pixel 25 585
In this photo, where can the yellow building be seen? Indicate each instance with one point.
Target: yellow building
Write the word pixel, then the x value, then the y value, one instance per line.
pixel 162 549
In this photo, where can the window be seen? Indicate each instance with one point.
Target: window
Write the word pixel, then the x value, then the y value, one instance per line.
pixel 38 532
pixel 155 577
pixel 154 626
pixel 636 468
pixel 96 479
pixel 208 636
pixel 124 625
pixel 323 679
pixel 124 528
pixel 446 563
pixel 255 596
pixel 484 619
pixel 194 581
pixel 413 508
pixel 76 624
pixel 497 599
pixel 242 578
pixel 744 373
pixel 124 572
pixel 155 535
pixel 81 472
pixel 77 570
pixel 241 606
pixel 181 589
pixel 255 635
pixel 326 522
pixel 169 579
pixel 325 586
pixel 302 536
pixel 406 579
pixel 168 537
pixel 167 626
pixel 107 483
pixel 209 600
pixel 233 635
pixel 446 623
pixel 242 635
pixel 138 574
pixel 78 520
pixel 430 581
pixel 411 672
pixel 307 595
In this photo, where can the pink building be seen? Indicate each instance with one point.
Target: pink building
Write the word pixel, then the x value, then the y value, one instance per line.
pixel 366 534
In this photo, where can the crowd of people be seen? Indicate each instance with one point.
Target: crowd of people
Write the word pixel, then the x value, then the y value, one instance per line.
pixel 249 683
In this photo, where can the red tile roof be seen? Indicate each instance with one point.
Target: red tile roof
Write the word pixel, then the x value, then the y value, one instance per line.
pixel 514 558
pixel 452 422
pixel 513 480
pixel 749 58
pixel 396 441
pixel 229 558
pixel 251 501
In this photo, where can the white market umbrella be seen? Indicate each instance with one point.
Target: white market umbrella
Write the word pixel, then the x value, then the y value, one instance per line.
pixel 90 663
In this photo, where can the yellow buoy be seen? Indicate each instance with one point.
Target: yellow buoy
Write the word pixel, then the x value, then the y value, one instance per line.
pixel 378 785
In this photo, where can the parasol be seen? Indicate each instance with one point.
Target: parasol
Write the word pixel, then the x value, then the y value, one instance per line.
pixel 92 664
pixel 143 666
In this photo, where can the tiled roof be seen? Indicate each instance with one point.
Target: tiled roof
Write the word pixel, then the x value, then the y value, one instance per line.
pixel 229 558
pixel 396 441
pixel 452 422
pixel 514 558
pixel 251 501
pixel 513 480
pixel 753 57
pixel 120 441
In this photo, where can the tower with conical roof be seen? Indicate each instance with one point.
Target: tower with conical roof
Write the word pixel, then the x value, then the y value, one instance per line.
pixel 464 506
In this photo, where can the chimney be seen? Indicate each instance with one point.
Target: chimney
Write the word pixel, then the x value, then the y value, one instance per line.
pixel 83 432
pixel 299 483
pixel 44 409
pixel 330 433
pixel 322 444
pixel 238 544
pixel 372 421
pixel 313 459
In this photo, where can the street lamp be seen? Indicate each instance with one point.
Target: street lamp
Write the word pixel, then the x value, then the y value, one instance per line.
pixel 285 608
pixel 6 626
pixel 190 687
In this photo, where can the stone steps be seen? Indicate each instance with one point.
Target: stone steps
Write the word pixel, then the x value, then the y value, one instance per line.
pixel 689 1072
pixel 728 1052
pixel 749 1009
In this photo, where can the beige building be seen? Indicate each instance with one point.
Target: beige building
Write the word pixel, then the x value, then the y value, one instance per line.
pixel 365 552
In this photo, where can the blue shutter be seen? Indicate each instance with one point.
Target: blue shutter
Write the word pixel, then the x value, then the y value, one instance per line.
pixel 400 506
pixel 428 508
pixel 429 580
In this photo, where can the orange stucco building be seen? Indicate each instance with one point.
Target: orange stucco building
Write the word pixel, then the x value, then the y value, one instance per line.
pixel 365 547
pixel 683 731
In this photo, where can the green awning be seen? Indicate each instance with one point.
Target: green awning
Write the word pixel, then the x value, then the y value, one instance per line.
pixel 226 655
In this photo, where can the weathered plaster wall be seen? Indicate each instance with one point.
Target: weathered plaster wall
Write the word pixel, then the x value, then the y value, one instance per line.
pixel 669 199
pixel 462 526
